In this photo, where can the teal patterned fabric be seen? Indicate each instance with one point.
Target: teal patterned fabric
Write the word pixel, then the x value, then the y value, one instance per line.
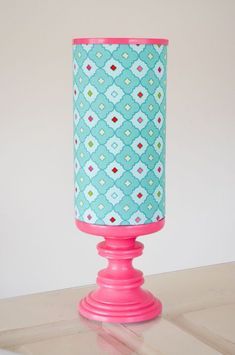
pixel 119 133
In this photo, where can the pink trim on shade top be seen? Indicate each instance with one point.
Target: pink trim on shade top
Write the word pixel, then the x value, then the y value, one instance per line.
pixel 120 231
pixel 161 41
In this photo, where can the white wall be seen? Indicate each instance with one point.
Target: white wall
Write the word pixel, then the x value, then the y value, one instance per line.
pixel 40 246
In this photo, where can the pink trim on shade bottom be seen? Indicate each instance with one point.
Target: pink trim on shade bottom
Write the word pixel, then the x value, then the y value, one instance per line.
pixel 119 297
pixel 160 41
pixel 120 231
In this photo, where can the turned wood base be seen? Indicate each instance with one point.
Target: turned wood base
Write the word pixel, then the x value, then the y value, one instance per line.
pixel 119 297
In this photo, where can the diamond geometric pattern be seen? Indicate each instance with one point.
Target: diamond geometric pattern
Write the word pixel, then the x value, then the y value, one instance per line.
pixel 119 95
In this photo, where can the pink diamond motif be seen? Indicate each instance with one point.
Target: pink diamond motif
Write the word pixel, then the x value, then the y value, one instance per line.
pixel 159 69
pixel 139 68
pixel 113 67
pixel 90 168
pixel 90 118
pixel 114 170
pixel 140 170
pixel 137 219
pixel 140 120
pixel 114 119
pixel 88 67
pixel 89 217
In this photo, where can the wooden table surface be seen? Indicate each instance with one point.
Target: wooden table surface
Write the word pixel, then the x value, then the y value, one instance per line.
pixel 198 319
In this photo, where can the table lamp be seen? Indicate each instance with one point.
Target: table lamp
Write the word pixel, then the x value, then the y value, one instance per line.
pixel 119 97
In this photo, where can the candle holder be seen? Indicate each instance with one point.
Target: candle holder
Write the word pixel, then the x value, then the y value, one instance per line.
pixel 119 164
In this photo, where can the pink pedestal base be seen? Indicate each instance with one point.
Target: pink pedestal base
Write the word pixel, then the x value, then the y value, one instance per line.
pixel 119 297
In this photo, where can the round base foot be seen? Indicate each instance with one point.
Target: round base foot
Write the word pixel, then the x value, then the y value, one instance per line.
pixel 144 308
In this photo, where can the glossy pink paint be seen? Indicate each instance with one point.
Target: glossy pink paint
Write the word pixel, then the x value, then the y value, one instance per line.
pixel 119 297
pixel 107 40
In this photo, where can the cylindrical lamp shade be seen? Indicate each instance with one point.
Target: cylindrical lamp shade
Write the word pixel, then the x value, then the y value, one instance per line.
pixel 119 130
